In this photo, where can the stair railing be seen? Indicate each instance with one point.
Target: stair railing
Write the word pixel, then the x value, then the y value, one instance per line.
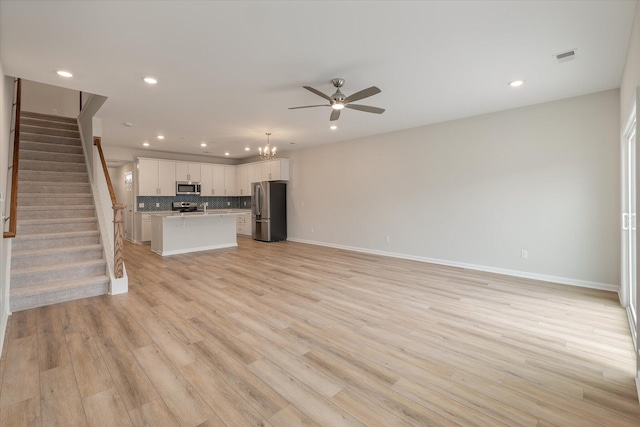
pixel 118 216
pixel 13 204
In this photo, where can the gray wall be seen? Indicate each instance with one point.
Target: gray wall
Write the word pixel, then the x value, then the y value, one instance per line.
pixel 476 192
pixel 47 99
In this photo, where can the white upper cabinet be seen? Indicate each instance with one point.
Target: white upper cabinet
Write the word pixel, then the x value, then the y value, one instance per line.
pixel 229 180
pixel 206 180
pixel 156 177
pixel 255 173
pixel 275 170
pixel 212 180
pixel 188 171
pixel 243 186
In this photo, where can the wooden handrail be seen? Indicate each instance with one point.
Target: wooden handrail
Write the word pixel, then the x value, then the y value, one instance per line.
pixel 97 142
pixel 13 207
pixel 118 210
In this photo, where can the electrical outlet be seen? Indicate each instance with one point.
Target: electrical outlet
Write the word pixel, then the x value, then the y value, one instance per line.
pixel 141 205
pixel 157 205
pixel 386 238
pixel 245 203
pixel 228 203
pixel 312 230
pixel 524 254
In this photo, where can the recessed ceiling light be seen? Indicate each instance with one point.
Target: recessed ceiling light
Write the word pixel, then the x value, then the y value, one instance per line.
pixel 146 144
pixel 160 136
pixel 226 154
pixel 127 124
pixel 203 144
pixel 292 143
pixel 150 80
pixel 64 73
pixel 247 149
pixel 333 127
pixel 516 83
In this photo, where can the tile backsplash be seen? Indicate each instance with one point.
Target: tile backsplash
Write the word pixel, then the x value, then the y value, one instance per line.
pixel 243 202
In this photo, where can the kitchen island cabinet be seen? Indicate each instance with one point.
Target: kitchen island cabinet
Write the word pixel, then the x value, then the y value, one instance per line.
pixel 178 233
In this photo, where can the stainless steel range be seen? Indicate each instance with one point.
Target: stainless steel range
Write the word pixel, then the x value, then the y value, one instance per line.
pixel 184 206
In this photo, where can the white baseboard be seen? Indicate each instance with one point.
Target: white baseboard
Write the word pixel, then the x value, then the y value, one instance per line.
pixel 202 248
pixel 488 269
pixel 121 285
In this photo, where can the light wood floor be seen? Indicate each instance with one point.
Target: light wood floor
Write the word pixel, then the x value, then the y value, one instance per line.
pixel 286 334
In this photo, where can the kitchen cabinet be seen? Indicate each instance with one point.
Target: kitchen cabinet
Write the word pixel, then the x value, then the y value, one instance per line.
pixel 279 170
pixel 229 180
pixel 243 185
pixel 156 177
pixel 243 224
pixel 188 171
pixel 142 227
pixel 274 170
pixel 212 180
pixel 255 172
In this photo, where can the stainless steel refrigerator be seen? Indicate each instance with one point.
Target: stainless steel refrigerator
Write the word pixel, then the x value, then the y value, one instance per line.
pixel 269 211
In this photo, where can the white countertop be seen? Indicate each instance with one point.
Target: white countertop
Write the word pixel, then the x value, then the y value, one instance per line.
pixel 210 212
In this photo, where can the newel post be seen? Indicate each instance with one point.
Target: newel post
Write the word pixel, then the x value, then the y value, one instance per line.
pixel 118 234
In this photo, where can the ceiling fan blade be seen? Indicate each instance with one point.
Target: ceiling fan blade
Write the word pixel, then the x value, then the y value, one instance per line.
pixel 310 106
pixel 317 92
pixel 335 115
pixel 365 93
pixel 365 108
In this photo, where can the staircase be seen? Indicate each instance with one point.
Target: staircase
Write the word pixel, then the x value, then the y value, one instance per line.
pixel 56 255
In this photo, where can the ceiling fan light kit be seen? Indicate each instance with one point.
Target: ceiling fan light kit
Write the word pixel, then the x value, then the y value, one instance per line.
pixel 338 101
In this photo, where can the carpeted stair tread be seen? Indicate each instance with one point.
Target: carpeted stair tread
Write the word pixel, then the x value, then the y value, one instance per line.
pixel 49 147
pixel 67 284
pixel 51 251
pixel 49 131
pixel 18 272
pixel 33 187
pixel 52 176
pixel 51 156
pixel 50 139
pixel 49 117
pixel 57 220
pixel 48 199
pixel 57 292
pixel 51 166
pixel 66 234
pixel 54 207
pixel 48 123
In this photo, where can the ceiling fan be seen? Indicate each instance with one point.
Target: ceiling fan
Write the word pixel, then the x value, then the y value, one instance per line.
pixel 338 100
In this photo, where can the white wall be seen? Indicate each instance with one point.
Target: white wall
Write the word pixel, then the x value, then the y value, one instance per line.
pixel 6 100
pixel 46 99
pixel 476 191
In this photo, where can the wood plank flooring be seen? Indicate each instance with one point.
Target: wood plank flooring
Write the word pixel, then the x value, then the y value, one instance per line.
pixel 287 334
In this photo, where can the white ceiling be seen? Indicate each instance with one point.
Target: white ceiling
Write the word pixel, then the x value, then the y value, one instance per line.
pixel 229 70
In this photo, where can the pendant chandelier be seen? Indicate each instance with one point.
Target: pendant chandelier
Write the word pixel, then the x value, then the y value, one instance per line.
pixel 268 152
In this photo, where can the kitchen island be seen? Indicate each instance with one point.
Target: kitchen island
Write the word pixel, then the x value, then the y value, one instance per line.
pixel 181 233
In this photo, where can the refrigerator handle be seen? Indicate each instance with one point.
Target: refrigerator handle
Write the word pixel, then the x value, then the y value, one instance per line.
pixel 258 202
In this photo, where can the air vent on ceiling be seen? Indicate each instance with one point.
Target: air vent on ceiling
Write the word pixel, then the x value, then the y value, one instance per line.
pixel 566 56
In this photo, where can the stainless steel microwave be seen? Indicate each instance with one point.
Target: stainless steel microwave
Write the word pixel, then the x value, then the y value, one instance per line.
pixel 187 187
